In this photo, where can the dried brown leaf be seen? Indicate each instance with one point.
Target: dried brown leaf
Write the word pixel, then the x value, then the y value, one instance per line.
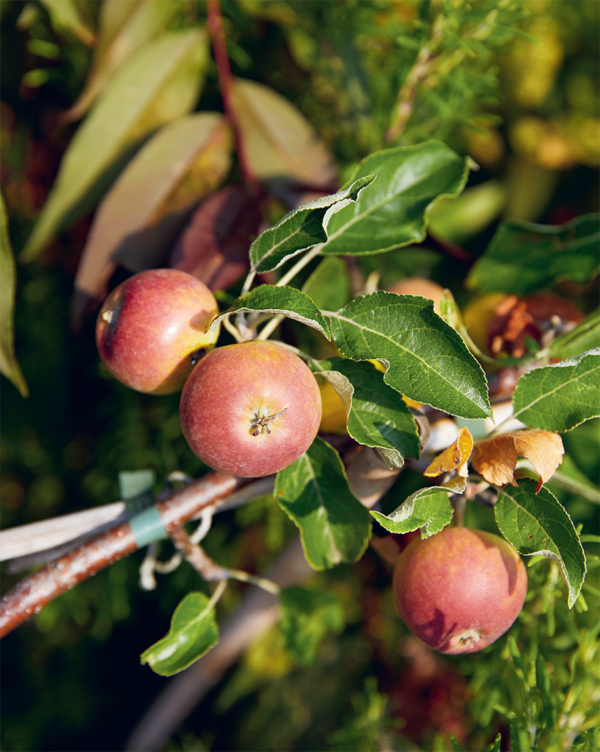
pixel 495 459
pixel 453 458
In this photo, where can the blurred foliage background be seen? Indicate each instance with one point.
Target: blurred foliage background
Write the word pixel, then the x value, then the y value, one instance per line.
pixel 518 91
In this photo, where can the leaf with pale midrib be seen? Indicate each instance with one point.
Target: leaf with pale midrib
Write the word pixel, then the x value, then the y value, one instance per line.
pixel 428 361
pixel 314 492
pixel 428 509
pixel 539 524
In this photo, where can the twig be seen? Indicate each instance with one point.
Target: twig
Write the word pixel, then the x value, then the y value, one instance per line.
pixel 217 35
pixel 37 590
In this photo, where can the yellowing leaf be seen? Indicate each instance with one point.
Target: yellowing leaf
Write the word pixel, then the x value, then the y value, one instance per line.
pixel 279 140
pixel 495 459
pixel 453 458
pixel 140 217
pixel 124 26
pixel 8 362
pixel 65 14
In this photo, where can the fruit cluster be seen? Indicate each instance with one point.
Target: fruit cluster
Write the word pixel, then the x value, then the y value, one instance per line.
pixel 248 409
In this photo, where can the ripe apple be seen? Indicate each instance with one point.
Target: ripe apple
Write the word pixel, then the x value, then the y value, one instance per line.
pixel 419 286
pixel 250 409
pixel 460 589
pixel 153 328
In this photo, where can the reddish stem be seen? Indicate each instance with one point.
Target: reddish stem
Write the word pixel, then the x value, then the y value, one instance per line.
pixel 36 590
pixel 217 35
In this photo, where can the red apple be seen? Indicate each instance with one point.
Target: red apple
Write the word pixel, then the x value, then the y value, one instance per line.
pixel 250 409
pixel 419 286
pixel 460 589
pixel 153 327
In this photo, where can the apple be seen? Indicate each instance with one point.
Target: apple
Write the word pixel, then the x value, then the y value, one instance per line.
pixel 153 328
pixel 420 286
pixel 460 589
pixel 250 409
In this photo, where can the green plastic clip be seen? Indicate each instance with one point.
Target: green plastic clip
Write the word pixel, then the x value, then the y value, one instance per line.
pixel 143 516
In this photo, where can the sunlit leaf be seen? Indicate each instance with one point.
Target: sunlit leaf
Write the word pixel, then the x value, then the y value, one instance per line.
pixel 193 633
pixel 287 301
pixel 302 228
pixel 458 219
pixel 583 337
pixel 8 361
pixel 140 216
pixel 66 15
pixel 158 83
pixel 334 526
pixel 393 212
pixel 428 509
pixel 524 257
pixel 426 359
pixel 280 142
pixel 123 28
pixel 561 396
pixel 453 458
pixel 377 415
pixel 538 524
pixel 495 459
pixel 306 618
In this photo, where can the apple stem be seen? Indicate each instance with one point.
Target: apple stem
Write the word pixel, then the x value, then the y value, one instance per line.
pixel 261 582
pixel 459 504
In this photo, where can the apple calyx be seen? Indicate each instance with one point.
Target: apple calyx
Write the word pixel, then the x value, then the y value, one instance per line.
pixel 466 639
pixel 260 422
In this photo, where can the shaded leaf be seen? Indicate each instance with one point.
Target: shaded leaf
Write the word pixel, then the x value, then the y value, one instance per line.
pixel 158 83
pixel 539 524
pixel 495 459
pixel 280 142
pixel 561 396
pixel 140 216
pixel 314 492
pixel 572 479
pixel 428 509
pixel 214 246
pixel 306 617
pixel 329 285
pixel 377 416
pixel 8 282
pixel 193 633
pixel 301 228
pixel 65 14
pixel 426 360
pixel 123 27
pixel 287 301
pixel 524 257
pixel 393 212
pixel 454 458
pixel 583 337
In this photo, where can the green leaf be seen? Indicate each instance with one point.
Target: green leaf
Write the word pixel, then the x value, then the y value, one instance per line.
pixel 287 301
pixel 306 617
pixel 9 365
pixel 65 15
pixel 569 477
pixel 428 509
pixel 425 358
pixel 538 524
pixel 301 229
pixel 458 219
pixel 524 257
pixel 123 28
pixel 158 83
pixel 139 218
pixel 393 213
pixel 377 415
pixel 314 491
pixel 495 746
pixel 585 336
pixel 279 141
pixel 561 396
pixel 193 633
pixel 329 285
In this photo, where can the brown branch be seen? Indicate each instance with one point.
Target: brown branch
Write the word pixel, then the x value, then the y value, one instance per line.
pixel 217 35
pixel 36 590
